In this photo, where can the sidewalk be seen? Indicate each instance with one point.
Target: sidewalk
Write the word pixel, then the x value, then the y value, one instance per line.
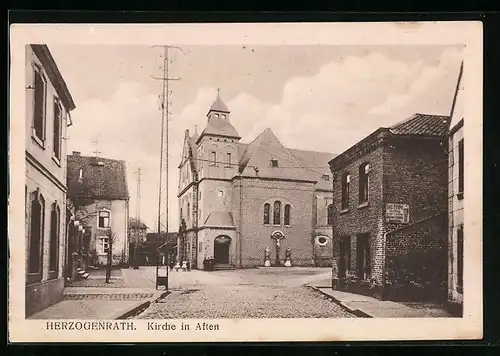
pixel 368 307
pixel 129 291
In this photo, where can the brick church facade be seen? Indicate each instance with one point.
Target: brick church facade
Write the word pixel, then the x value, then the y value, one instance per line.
pixel 237 199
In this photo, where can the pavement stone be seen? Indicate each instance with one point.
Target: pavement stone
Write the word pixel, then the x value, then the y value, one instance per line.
pixel 252 293
pixel 374 308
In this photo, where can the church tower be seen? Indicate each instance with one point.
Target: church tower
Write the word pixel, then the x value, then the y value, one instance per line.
pixel 217 164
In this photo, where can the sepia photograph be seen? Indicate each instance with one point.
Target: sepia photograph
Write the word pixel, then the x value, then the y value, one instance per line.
pixel 182 186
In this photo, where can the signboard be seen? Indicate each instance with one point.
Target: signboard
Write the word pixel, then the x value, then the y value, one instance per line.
pixel 397 213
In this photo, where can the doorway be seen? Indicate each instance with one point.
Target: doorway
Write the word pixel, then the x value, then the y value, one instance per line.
pixel 221 249
pixel 345 256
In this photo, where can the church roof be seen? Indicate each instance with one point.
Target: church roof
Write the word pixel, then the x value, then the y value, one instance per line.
pixel 256 160
pixel 219 105
pixel 220 218
pixel 220 127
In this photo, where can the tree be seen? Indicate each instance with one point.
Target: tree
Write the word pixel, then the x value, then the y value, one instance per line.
pixel 111 240
pixel 137 232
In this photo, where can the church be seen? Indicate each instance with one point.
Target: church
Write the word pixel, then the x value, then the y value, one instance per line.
pixel 242 204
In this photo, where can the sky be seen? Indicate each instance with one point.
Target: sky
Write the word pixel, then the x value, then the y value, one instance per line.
pixel 320 98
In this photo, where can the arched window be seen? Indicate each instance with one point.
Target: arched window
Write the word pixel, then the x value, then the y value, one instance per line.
pixel 188 211
pixel 346 179
pixel 277 213
pixel 36 234
pixel 364 180
pixel 54 240
pixel 267 208
pixel 329 217
pixel 287 214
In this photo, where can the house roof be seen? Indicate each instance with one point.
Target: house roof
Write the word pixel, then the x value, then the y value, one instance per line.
pixel 152 237
pixel 106 181
pixel 422 125
pixel 219 218
pixel 57 80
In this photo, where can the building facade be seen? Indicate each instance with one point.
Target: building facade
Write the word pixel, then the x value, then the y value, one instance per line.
pixel 48 107
pixel 98 188
pixel 456 202
pixel 390 211
pixel 244 203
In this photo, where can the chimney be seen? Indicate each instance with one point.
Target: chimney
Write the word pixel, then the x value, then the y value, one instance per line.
pixel 76 153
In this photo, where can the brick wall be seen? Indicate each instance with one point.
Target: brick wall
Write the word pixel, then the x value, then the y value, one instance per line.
pixel 256 236
pixel 365 218
pixel 416 261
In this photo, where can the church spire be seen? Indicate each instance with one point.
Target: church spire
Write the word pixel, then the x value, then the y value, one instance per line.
pixel 219 106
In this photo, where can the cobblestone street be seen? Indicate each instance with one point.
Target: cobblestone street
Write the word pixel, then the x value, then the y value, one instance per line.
pixel 255 293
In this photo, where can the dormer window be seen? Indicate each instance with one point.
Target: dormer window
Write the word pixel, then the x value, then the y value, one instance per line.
pixel 274 163
pixel 223 116
pixel 216 116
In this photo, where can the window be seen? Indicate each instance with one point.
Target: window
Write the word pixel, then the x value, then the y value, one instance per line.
pixel 461 169
pixel 104 219
pixel 223 116
pixel 214 158
pixel 181 214
pixel 274 163
pixel 188 211
pixel 329 216
pixel 363 256
pixel 36 234
pixel 228 159
pixel 346 179
pixel 220 193
pixel 322 241
pixel 277 213
pixel 200 247
pixel 460 259
pixel 267 208
pixel 364 171
pixel 103 245
pixel 57 129
pixel 326 177
pixel 287 215
pixel 216 116
pixel 39 105
pixel 54 240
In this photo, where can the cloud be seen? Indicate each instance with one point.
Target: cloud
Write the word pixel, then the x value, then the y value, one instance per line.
pixel 328 111
pixel 427 78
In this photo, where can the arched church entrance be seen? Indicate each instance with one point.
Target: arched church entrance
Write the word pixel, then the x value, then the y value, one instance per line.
pixel 221 249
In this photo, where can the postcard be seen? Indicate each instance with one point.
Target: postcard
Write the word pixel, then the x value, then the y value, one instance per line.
pixel 245 182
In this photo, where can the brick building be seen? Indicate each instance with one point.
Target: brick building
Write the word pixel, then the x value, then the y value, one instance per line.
pixel 456 201
pixel 390 211
pixel 98 189
pixel 48 107
pixel 238 199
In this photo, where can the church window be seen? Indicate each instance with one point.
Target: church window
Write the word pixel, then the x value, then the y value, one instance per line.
pixel 277 213
pixel 274 163
pixel 228 159
pixel 214 158
pixel 188 211
pixel 287 214
pixel 329 216
pixel 267 208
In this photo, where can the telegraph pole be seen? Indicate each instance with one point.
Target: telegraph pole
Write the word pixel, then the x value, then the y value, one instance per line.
pixel 165 113
pixel 137 216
